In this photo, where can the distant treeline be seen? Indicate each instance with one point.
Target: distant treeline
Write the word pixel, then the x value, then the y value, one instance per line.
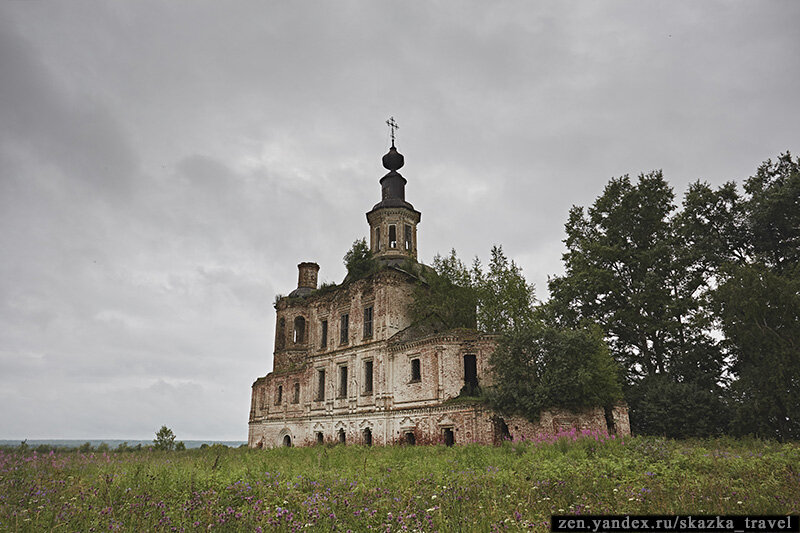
pixel 103 447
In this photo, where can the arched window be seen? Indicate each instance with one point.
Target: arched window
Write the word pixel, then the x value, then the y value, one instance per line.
pixel 299 330
pixel 342 437
pixel 287 441
pixel 367 437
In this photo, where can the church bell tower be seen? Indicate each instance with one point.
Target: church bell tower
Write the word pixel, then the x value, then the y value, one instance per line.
pixel 393 221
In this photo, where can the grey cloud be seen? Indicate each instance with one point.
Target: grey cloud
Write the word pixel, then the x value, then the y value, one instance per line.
pixel 164 167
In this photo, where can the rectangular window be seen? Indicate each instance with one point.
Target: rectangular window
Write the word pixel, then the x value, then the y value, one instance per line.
pixel 367 377
pixel 323 343
pixel 392 236
pixel 416 373
pixel 279 395
pixel 345 329
pixel 343 381
pixel 378 239
pixel 368 321
pixel 470 370
pixel 320 384
pixel 296 398
pixel 407 236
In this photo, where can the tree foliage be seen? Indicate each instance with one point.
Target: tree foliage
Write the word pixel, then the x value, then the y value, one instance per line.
pixel 505 298
pixel 678 409
pixel 539 366
pixel 447 294
pixel 627 269
pixel 666 283
pixel 758 303
pixel 495 300
pixel 536 365
pixel 359 261
pixel 165 439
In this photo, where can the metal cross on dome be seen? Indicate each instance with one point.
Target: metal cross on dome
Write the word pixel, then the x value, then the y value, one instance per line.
pixel 392 126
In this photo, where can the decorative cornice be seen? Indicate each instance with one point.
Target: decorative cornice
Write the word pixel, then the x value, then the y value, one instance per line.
pixel 445 337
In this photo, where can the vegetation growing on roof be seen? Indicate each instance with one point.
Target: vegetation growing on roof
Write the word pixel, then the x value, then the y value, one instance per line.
pixel 359 261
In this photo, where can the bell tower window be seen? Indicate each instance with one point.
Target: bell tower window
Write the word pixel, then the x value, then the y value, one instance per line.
pixel 407 235
pixel 299 330
pixel 377 238
pixel 392 236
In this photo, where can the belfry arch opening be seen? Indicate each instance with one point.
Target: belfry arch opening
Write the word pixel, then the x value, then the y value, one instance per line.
pixel 299 330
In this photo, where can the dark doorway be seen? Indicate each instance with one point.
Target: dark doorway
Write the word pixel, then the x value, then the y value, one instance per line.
pixel 501 432
pixel 411 440
pixel 449 437
pixel 342 437
pixel 320 438
pixel 367 437
pixel 287 441
pixel 612 428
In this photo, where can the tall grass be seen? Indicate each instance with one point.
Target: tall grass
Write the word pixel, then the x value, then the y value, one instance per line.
pixel 516 486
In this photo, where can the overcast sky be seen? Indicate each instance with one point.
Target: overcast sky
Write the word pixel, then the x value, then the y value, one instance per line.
pixel 164 166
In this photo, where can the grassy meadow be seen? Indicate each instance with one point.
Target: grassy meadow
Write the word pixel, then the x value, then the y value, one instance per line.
pixel 516 486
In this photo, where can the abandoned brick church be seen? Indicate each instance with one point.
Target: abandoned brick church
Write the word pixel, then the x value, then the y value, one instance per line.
pixel 351 367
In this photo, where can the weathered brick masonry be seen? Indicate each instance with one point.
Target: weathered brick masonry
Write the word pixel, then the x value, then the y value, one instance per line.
pixel 349 366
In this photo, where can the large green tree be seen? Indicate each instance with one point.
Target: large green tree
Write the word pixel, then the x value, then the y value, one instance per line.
pixel 627 269
pixel 750 246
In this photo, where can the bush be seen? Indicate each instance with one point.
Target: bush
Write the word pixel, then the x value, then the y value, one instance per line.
pixel 659 405
pixel 359 261
pixel 538 367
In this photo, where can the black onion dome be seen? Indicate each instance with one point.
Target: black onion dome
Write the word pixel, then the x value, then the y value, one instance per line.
pixel 393 160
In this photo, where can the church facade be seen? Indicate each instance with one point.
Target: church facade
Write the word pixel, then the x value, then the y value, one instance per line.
pixel 350 366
